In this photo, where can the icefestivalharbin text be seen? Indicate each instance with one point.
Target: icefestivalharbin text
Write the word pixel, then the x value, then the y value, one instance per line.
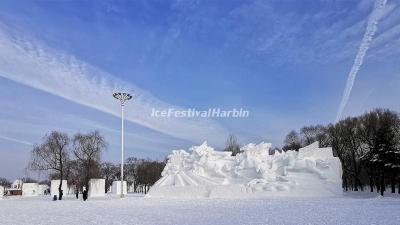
pixel 203 172
pixel 192 112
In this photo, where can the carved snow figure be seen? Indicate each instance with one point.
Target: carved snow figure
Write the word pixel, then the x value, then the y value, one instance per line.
pixel 204 172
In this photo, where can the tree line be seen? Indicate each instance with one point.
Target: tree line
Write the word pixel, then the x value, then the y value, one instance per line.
pixel 140 174
pixel 368 147
pixel 77 159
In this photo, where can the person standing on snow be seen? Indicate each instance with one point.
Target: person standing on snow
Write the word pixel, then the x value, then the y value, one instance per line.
pixel 84 194
pixel 76 191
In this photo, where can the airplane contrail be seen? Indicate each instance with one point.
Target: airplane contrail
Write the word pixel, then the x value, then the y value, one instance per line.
pixel 372 27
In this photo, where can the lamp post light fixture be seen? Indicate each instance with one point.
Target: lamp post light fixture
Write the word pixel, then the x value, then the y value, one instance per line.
pixel 122 97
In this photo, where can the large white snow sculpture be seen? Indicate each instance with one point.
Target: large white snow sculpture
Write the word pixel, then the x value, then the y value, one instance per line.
pixel 54 187
pixel 116 187
pixel 97 187
pixel 204 172
pixel 30 189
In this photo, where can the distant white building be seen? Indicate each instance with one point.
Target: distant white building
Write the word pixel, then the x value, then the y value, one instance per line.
pixel 30 189
pixel 97 188
pixel 16 188
pixel 116 187
pixel 54 187
pixel 17 184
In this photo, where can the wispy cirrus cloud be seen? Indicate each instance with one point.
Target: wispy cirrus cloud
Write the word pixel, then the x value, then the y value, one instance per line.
pixel 15 140
pixel 267 29
pixel 30 62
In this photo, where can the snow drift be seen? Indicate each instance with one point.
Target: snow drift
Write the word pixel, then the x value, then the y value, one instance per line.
pixel 203 172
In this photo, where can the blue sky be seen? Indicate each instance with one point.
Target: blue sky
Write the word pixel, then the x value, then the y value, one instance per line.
pixel 285 61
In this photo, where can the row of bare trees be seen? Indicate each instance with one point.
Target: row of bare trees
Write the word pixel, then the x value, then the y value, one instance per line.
pixel 307 135
pixel 77 159
pixel 140 174
pixel 368 147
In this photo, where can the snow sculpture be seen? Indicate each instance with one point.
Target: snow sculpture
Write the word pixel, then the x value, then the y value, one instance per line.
pixel 2 189
pixel 204 172
pixel 71 190
pixel 97 187
pixel 116 187
pixel 43 188
pixel 30 189
pixel 131 188
pixel 54 187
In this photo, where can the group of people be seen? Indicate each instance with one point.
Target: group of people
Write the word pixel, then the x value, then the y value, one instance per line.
pixel 84 193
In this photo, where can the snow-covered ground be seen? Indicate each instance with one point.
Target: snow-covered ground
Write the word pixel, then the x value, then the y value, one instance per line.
pixel 204 186
pixel 135 209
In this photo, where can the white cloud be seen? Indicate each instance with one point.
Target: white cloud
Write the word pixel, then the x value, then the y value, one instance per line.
pixel 27 61
pixel 16 140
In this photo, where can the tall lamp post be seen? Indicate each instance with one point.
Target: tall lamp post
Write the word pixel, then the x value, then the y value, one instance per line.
pixel 122 97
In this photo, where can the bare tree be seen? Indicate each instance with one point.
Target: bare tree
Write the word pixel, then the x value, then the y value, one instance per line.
pixel 379 131
pixel 74 173
pixel 368 147
pixel 232 145
pixel 53 155
pixel 4 182
pixel 109 172
pixel 29 180
pixel 87 149
pixel 148 172
pixel 130 171
pixel 310 134
pixel 350 138
pixel 292 141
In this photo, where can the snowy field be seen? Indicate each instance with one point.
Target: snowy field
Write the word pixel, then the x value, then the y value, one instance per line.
pixel 136 209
